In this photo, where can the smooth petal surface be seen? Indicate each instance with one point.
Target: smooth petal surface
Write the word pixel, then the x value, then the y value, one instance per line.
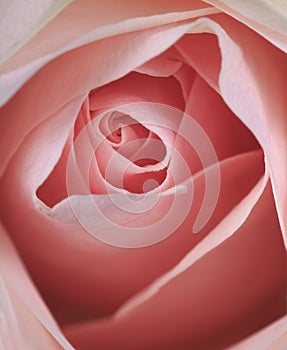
pixel 266 17
pixel 254 256
pixel 86 21
pixel 226 132
pixel 226 228
pixel 280 343
pixel 26 322
pixel 272 337
pixel 20 20
pixel 251 96
pixel 254 85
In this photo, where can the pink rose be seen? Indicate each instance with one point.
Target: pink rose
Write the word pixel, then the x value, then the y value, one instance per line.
pixel 143 175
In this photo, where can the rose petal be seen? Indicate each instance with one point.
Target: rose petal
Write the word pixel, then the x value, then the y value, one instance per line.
pixel 280 343
pixel 42 96
pixel 251 97
pixel 195 51
pixel 137 87
pixel 21 20
pixel 72 247
pixel 26 322
pixel 226 132
pixel 265 17
pixel 256 101
pixel 271 337
pixel 163 65
pixel 87 28
pixel 185 75
pixel 49 245
pixel 219 234
pixel 253 257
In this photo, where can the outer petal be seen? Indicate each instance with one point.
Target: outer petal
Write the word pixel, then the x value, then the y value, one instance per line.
pixel 86 21
pixel 25 320
pixel 247 91
pixel 267 17
pixel 228 293
pixel 259 104
pixel 20 20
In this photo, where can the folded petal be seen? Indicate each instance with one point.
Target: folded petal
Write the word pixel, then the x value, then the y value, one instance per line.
pixel 26 322
pixel 21 20
pixel 267 18
pixel 77 25
pixel 259 104
pixel 208 305
pixel 42 96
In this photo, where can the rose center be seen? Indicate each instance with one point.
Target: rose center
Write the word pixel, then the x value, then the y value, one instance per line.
pixel 136 154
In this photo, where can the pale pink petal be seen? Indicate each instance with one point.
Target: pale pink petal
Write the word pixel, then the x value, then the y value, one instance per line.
pixel 248 92
pixel 280 344
pixel 54 189
pixel 266 17
pixel 21 20
pixel 86 21
pixel 26 322
pixel 163 65
pixel 260 105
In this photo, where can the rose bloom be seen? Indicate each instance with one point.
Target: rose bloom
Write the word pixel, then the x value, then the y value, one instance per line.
pixel 143 175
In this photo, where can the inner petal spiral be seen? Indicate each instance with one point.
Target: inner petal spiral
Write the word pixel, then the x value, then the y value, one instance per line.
pixel 129 154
